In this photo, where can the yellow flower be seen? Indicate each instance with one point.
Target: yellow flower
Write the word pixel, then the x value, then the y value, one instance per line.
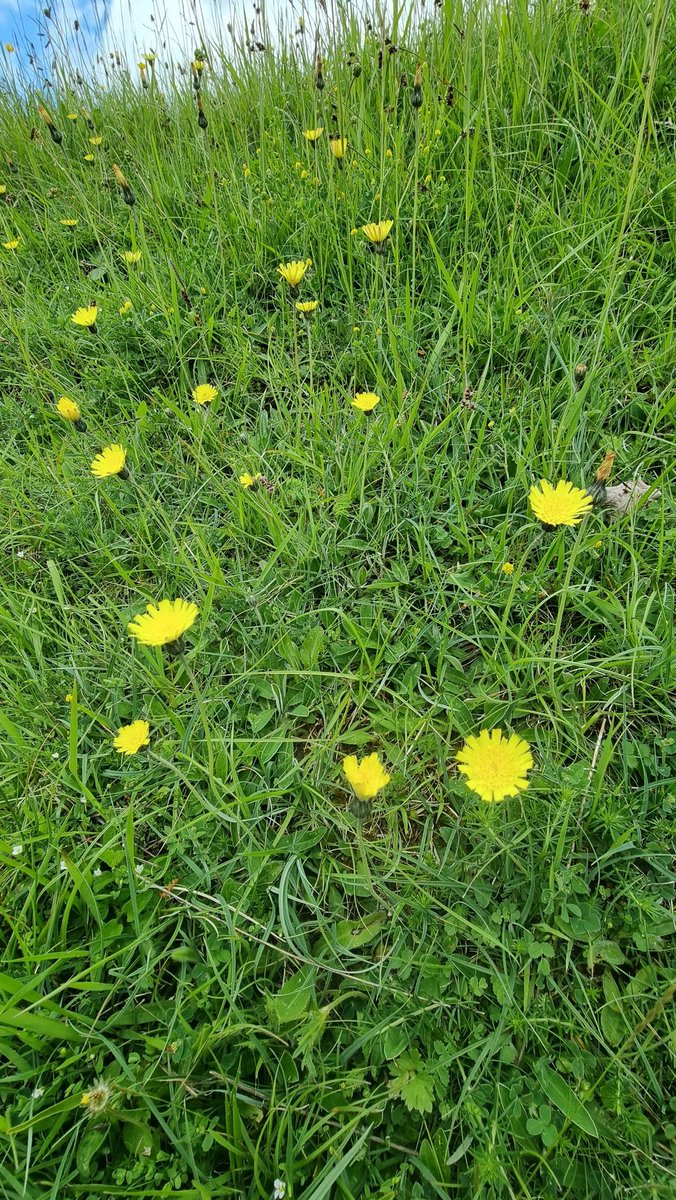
pixel 68 408
pixel 246 170
pixel 111 461
pixel 388 153
pixel 507 568
pixel 130 738
pixel 306 306
pixel 3 189
pixel 95 141
pixel 126 308
pixel 142 66
pixel 304 174
pixel 72 116
pixel 365 401
pixel 13 245
pixel 560 505
pixel 131 256
pixel 495 767
pixel 366 778
pixel 69 222
pixel 89 157
pixel 293 272
pixel 338 146
pixel 86 317
pixel 377 231
pixel 197 65
pixel 313 134
pixel 164 622
pixel 204 393
pixel 248 480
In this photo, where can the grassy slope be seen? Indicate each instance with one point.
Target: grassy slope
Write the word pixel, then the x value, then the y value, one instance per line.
pixel 361 1010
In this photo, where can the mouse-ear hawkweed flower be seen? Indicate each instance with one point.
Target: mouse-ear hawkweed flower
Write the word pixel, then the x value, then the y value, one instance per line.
pixel 311 135
pixel 495 766
pixel 306 307
pixel 507 568
pixel 54 133
pixel 338 146
pixel 70 411
pixel 126 308
pixel 248 481
pixel 13 244
pixel 131 738
pixel 204 393
pixel 127 194
pixel 366 778
pixel 164 624
pixel 365 401
pixel 560 505
pixel 377 233
pixel 110 461
pixel 86 317
pixel 131 257
pixel 294 271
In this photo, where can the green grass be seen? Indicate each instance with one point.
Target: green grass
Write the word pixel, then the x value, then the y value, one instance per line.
pixel 448 998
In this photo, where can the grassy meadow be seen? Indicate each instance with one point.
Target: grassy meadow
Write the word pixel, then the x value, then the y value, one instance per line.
pixel 224 972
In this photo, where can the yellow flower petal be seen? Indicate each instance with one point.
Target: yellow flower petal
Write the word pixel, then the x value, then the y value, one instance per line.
pixel 366 778
pixel 495 767
pixel 164 622
pixel 131 738
pixel 560 505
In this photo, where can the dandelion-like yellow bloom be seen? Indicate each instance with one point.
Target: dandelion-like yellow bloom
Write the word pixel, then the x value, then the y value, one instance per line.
pixel 163 623
pixel 294 271
pixel 495 767
pixel 89 157
pixel 377 231
pixel 142 66
pixel 96 140
pixel 338 146
pixel 69 222
pixel 85 317
pixel 131 256
pixel 126 308
pixel 560 505
pixel 312 134
pixel 248 480
pixel 246 171
pixel 507 568
pixel 204 393
pixel 68 408
pixel 111 461
pixel 307 306
pixel 3 189
pixel 72 116
pixel 197 65
pixel 131 738
pixel 13 244
pixel 366 778
pixel 365 401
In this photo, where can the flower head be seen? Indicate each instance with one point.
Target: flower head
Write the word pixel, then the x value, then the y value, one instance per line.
pixel 312 134
pixel 305 307
pixel 248 480
pixel 495 767
pixel 164 622
pixel 98 1098
pixel 365 401
pixel 131 256
pixel 293 272
pixel 560 505
pixel 13 244
pixel 338 146
pixel 204 393
pixel 131 738
pixel 507 568
pixel 126 308
pixel 377 231
pixel 85 317
pixel 69 222
pixel 68 408
pixel 95 141
pixel 72 116
pixel 111 461
pixel 89 157
pixel 366 778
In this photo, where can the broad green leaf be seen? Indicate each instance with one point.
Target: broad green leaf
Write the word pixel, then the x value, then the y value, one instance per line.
pixel 562 1095
pixel 294 997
